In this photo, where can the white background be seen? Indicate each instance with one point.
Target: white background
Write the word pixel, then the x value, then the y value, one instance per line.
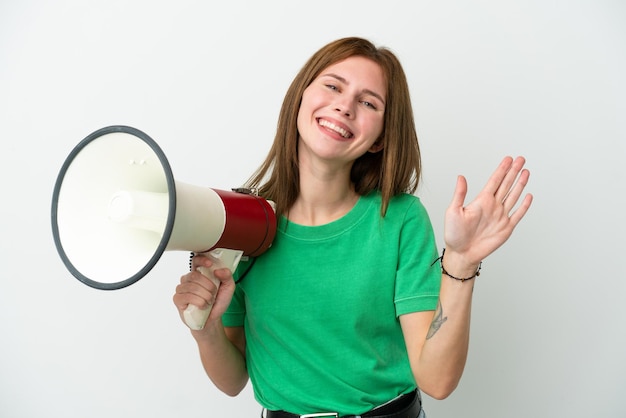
pixel 544 79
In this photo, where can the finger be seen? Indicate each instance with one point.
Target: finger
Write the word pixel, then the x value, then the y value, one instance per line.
pixel 521 211
pixel 511 199
pixel 460 193
pixel 182 298
pixel 202 260
pixel 510 179
pixel 495 181
pixel 223 274
pixel 199 293
pixel 182 301
pixel 196 280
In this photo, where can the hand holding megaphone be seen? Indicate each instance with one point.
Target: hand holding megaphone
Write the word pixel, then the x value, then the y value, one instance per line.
pixel 116 208
pixel 196 317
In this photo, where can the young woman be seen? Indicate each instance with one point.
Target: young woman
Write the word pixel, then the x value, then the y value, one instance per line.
pixel 352 309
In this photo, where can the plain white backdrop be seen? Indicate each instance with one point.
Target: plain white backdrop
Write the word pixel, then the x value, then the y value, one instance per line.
pixel 543 79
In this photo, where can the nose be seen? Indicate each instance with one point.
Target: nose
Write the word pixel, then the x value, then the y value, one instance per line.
pixel 343 111
pixel 344 107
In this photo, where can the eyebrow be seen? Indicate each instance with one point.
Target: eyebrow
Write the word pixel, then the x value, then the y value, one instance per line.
pixel 366 91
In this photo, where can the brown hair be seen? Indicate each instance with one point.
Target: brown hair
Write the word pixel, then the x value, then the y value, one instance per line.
pixel 395 169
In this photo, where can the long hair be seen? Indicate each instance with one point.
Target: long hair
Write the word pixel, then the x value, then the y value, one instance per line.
pixel 393 170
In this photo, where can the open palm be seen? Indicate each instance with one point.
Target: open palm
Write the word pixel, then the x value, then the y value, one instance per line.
pixel 479 228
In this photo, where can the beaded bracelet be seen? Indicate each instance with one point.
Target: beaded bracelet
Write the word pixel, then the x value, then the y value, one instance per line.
pixel 443 270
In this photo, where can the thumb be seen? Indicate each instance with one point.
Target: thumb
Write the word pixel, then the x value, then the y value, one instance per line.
pixel 460 192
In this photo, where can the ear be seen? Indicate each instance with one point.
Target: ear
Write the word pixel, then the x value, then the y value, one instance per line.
pixel 376 146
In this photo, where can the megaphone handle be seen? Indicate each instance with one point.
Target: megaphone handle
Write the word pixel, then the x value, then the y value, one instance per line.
pixel 195 318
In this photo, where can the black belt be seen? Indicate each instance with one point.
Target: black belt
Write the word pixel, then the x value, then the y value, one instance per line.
pixel 405 406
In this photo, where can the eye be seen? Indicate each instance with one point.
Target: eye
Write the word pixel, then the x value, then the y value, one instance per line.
pixel 332 87
pixel 368 104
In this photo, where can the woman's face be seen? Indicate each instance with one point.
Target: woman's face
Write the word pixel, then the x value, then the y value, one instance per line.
pixel 342 112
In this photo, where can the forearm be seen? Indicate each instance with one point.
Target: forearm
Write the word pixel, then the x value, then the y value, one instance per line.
pixel 439 366
pixel 444 353
pixel 223 361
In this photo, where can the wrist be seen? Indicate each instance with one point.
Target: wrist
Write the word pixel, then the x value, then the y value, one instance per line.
pixel 211 331
pixel 457 267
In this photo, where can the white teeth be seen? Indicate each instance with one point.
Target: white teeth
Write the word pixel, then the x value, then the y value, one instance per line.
pixel 335 128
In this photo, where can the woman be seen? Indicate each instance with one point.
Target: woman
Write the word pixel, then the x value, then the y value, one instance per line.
pixel 348 312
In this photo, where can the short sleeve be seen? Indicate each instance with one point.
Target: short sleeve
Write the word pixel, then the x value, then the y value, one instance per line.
pixel 418 277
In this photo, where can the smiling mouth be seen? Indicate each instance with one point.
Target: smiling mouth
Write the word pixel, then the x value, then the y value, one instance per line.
pixel 338 129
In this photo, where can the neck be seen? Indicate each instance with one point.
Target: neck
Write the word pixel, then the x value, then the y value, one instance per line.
pixel 325 196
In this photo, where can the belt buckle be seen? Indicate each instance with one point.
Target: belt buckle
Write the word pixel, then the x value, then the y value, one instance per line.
pixel 321 414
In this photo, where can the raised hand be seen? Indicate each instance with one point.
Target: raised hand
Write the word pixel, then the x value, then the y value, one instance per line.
pixel 476 230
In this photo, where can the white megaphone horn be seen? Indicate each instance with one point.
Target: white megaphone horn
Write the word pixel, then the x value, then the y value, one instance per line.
pixel 116 208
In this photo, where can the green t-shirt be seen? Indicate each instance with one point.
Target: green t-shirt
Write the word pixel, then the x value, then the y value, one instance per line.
pixel 320 308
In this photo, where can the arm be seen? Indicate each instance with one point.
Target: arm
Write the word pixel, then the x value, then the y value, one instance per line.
pixel 437 342
pixel 222 350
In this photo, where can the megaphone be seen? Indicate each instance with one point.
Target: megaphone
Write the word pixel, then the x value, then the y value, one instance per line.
pixel 116 208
